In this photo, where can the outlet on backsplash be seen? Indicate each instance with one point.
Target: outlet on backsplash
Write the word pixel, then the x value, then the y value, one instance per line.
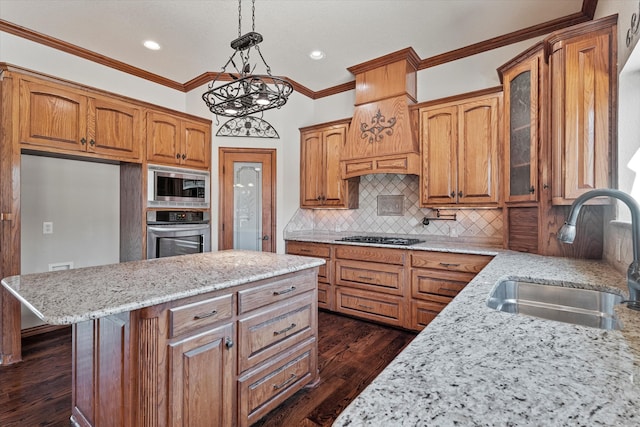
pixel 483 225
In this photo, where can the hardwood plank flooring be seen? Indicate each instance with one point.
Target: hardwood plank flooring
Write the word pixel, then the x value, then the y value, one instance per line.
pixel 37 391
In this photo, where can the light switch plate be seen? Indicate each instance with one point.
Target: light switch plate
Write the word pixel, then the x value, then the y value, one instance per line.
pixel 391 205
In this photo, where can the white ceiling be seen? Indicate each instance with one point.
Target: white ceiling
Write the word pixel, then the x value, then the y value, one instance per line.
pixel 195 34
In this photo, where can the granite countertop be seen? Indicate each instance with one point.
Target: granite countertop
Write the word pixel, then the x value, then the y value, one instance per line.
pixel 474 366
pixel 71 296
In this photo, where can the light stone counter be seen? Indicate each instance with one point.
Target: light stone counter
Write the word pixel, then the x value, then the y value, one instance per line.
pixel 474 366
pixel 72 296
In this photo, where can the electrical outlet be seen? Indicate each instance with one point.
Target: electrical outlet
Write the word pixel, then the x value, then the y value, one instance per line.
pixel 47 228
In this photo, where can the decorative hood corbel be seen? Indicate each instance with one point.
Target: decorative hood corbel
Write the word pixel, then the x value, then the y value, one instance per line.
pixel 380 137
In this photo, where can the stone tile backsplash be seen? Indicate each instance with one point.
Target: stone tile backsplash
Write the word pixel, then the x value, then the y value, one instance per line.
pixel 483 225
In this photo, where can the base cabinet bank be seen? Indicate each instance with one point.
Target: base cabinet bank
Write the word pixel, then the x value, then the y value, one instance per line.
pixel 223 357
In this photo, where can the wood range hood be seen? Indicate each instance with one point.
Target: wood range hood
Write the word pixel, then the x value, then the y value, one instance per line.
pixel 380 137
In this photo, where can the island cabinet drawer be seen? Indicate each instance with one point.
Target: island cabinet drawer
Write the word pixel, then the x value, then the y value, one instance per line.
pixel 370 305
pixel 196 315
pixel 427 283
pixel 263 389
pixel 467 263
pixel 423 312
pixel 369 276
pixel 270 331
pixel 371 254
pixel 317 250
pixel 275 291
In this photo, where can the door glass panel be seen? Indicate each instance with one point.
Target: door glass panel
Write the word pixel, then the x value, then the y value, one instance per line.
pixel 520 134
pixel 247 202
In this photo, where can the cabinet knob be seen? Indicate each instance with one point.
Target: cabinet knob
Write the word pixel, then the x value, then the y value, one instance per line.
pixel 545 186
pixel 83 141
pixel 460 194
pixel 453 194
pixel 532 189
pixel 228 342
pixel 92 143
pixel 178 156
pixel 184 156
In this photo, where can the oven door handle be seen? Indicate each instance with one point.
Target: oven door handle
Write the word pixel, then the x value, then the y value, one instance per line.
pixel 178 227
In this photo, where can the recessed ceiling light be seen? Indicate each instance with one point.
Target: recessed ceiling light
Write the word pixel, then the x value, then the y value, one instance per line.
pixel 150 44
pixel 316 54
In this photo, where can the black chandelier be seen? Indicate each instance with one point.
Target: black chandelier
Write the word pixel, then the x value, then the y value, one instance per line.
pixel 247 93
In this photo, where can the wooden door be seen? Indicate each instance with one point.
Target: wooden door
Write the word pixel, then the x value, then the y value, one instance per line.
pixel 333 142
pixel 439 147
pixel 196 145
pixel 233 211
pixel 116 129
pixel 52 116
pixel 163 138
pixel 312 169
pixel 586 120
pixel 201 379
pixel 521 124
pixel 478 151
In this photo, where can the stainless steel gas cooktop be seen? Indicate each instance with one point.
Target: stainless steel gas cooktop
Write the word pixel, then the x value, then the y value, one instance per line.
pixel 381 240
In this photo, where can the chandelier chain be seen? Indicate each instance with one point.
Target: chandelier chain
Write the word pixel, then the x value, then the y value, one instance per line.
pixel 239 18
pixel 253 15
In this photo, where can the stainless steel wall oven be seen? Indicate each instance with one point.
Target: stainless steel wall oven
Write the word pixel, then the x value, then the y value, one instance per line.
pixel 171 233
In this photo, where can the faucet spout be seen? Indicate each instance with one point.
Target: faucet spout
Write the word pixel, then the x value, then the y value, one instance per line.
pixel 567 234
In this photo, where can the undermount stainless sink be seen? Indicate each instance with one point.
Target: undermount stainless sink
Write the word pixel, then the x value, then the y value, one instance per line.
pixel 570 305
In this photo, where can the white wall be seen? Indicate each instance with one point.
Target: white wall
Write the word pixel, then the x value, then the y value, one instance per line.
pixel 82 200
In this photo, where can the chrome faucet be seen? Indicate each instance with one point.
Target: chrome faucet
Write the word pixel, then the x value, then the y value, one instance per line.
pixel 567 234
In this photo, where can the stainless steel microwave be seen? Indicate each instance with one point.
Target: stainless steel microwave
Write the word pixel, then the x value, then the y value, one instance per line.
pixel 176 187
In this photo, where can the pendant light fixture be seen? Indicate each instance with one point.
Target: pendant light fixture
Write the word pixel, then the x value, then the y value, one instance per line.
pixel 247 93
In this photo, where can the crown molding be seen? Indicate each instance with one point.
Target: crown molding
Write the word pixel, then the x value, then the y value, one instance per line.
pixel 586 14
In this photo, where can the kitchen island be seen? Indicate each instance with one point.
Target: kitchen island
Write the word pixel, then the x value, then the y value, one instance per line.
pixel 207 339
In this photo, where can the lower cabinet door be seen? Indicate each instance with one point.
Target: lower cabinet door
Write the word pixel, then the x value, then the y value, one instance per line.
pixel 201 379
pixel 423 312
pixel 262 389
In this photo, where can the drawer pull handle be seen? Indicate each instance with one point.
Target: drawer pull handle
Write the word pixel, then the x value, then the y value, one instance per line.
pixel 449 264
pixel 284 384
pixel 368 307
pixel 286 291
pixel 285 330
pixel 205 315
pixel 365 278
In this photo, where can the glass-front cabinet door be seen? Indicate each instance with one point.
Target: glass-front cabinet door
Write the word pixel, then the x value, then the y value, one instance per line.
pixel 521 92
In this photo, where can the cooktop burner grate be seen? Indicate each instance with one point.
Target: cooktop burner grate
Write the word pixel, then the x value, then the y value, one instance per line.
pixel 381 240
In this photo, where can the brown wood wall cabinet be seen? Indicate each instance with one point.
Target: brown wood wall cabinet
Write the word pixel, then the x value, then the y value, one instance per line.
pixel 60 119
pixel 176 141
pixel 398 287
pixel 321 185
pixel 558 112
pixel 224 358
pixel 460 152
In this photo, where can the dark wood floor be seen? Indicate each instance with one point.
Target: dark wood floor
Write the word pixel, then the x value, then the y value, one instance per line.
pixel 37 392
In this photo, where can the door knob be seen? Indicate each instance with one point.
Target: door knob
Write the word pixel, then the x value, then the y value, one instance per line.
pixel 265 237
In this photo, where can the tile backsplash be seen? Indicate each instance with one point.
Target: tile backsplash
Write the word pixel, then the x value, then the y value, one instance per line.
pixel 481 225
